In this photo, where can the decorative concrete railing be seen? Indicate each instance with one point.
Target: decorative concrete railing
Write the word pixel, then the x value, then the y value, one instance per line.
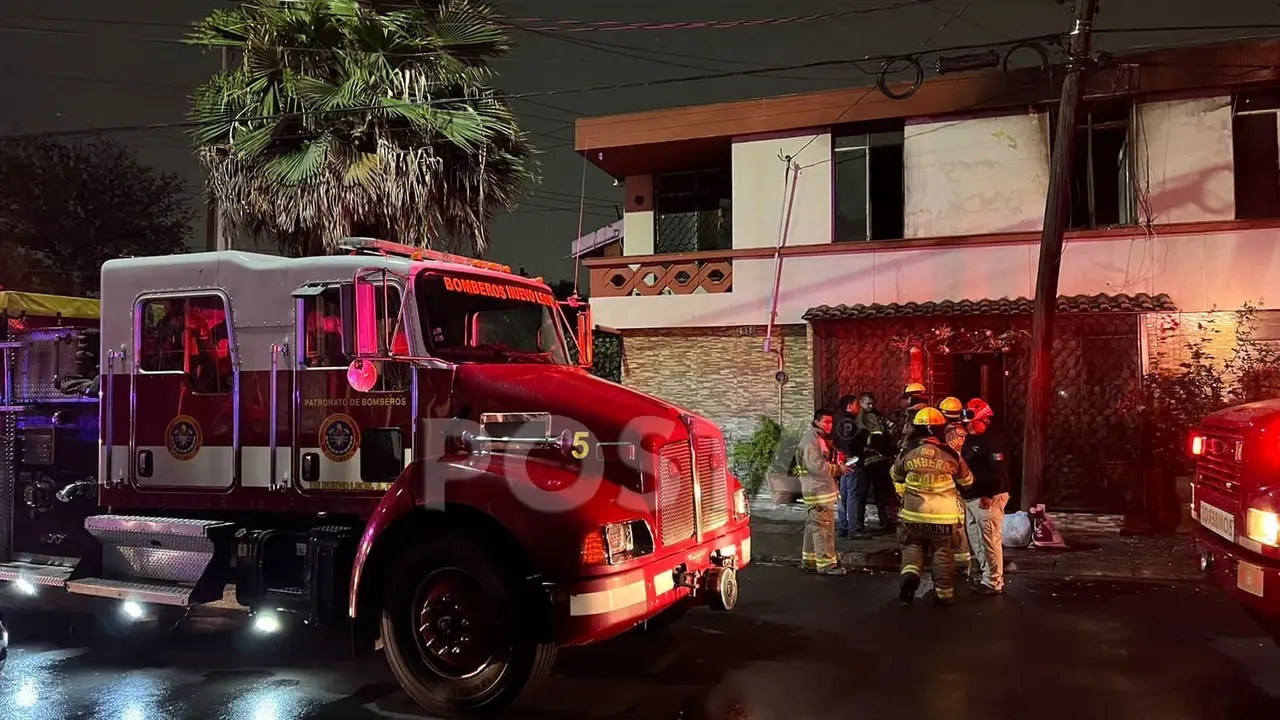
pixel 712 271
pixel 676 274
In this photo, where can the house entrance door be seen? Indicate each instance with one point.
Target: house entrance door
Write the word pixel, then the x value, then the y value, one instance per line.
pixel 979 375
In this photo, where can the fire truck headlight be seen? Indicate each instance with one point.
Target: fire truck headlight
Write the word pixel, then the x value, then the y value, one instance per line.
pixel 740 507
pixel 1263 526
pixel 617 542
pixel 24 586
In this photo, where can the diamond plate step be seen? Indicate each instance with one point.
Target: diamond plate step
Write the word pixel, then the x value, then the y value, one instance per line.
pixel 181 527
pixel 153 593
pixel 42 575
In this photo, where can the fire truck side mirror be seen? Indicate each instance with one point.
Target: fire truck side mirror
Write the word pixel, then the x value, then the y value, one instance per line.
pixel 360 320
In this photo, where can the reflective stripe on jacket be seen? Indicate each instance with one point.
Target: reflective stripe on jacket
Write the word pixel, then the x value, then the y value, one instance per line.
pixel 927 477
pixel 818 484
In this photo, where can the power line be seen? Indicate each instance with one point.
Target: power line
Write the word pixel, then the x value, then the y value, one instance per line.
pixel 955 16
pixel 541 93
pixel 520 23
pixel 442 101
pixel 578 26
pixel 629 52
pixel 557 25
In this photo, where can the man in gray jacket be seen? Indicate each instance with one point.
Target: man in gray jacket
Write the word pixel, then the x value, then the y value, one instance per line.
pixel 818 484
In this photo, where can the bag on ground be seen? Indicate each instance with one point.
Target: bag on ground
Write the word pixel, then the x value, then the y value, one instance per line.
pixel 1017 530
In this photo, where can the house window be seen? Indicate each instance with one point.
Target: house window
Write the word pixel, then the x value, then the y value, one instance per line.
pixel 693 211
pixel 1257 155
pixel 188 335
pixel 868 185
pixel 1102 188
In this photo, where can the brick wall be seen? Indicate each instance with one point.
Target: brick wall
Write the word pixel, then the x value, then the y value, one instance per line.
pixel 723 373
pixel 1168 334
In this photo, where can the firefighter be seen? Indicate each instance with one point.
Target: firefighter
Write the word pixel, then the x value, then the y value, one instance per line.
pixel 926 477
pixel 818 484
pixel 954 434
pixel 953 411
pixel 913 401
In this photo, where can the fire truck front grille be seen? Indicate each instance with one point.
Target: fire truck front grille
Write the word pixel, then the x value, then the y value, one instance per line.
pixel 712 482
pixel 675 493
pixel 1218 466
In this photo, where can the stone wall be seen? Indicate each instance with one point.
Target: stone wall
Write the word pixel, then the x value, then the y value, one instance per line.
pixel 723 373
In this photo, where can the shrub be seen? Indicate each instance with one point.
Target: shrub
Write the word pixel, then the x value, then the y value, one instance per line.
pixel 770 448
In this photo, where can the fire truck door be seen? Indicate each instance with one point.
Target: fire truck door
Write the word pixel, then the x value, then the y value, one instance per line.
pixel 184 399
pixel 347 440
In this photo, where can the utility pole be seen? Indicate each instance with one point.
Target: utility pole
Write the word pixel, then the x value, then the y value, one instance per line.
pixel 1056 209
pixel 213 225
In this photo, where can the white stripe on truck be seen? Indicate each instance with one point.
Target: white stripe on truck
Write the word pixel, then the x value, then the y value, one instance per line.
pixel 606 601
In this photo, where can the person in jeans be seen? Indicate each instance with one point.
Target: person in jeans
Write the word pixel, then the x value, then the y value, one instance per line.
pixel 844 434
pixel 986 453
pixel 874 449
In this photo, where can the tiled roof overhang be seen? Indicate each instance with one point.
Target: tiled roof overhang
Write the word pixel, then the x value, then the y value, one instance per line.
pixel 1141 302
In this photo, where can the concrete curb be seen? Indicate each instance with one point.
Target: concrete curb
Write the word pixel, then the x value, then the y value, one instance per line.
pixel 878 562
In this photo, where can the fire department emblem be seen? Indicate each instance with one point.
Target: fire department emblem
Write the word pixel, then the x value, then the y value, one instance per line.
pixel 339 437
pixel 182 437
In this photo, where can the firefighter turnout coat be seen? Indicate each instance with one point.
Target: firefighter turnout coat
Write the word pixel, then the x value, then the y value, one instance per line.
pixel 927 477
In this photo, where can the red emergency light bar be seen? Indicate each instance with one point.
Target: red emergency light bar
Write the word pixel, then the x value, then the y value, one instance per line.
pixel 374 246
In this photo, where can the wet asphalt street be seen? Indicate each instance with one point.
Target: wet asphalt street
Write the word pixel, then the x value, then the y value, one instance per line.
pixel 798 647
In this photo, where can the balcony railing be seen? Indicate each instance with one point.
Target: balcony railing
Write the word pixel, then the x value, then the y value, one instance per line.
pixel 673 274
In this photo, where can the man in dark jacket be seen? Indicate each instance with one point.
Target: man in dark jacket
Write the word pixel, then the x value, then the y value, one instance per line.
pixel 875 451
pixel 844 436
pixel 987 454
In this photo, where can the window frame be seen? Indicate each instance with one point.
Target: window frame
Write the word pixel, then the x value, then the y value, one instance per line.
pixel 867 131
pixel 315 289
pixel 233 350
pixel 1131 207
pixel 562 327
pixel 1269 100
pixel 695 194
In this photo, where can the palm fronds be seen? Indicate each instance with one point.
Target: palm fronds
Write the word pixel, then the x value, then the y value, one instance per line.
pixel 356 117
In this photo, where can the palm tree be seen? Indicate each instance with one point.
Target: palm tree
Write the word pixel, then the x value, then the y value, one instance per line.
pixel 357 117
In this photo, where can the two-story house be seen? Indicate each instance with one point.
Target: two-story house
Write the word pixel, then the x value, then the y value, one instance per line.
pixel 780 252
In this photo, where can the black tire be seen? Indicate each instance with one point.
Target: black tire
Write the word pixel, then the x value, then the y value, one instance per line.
pixel 492 608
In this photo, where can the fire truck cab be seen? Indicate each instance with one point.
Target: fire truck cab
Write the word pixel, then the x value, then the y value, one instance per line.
pixel 391 439
pixel 1235 502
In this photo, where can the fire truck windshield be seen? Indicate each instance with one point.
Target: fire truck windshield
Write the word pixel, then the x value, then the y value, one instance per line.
pixel 467 318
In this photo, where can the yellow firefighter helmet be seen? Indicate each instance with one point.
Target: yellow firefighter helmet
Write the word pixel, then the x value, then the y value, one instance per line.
pixel 951 408
pixel 929 417
pixel 913 389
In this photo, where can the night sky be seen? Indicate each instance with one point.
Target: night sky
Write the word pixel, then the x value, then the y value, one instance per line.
pixel 79 64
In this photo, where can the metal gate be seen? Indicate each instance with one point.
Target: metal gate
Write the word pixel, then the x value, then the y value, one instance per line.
pixel 1093 454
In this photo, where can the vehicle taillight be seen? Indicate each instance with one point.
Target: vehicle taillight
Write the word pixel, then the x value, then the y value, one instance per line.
pixel 1197 445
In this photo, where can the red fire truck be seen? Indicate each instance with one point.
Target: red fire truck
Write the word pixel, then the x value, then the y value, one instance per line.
pixel 385 438
pixel 1236 502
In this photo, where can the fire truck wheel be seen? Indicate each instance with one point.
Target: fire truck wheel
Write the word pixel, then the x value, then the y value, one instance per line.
pixel 453 630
